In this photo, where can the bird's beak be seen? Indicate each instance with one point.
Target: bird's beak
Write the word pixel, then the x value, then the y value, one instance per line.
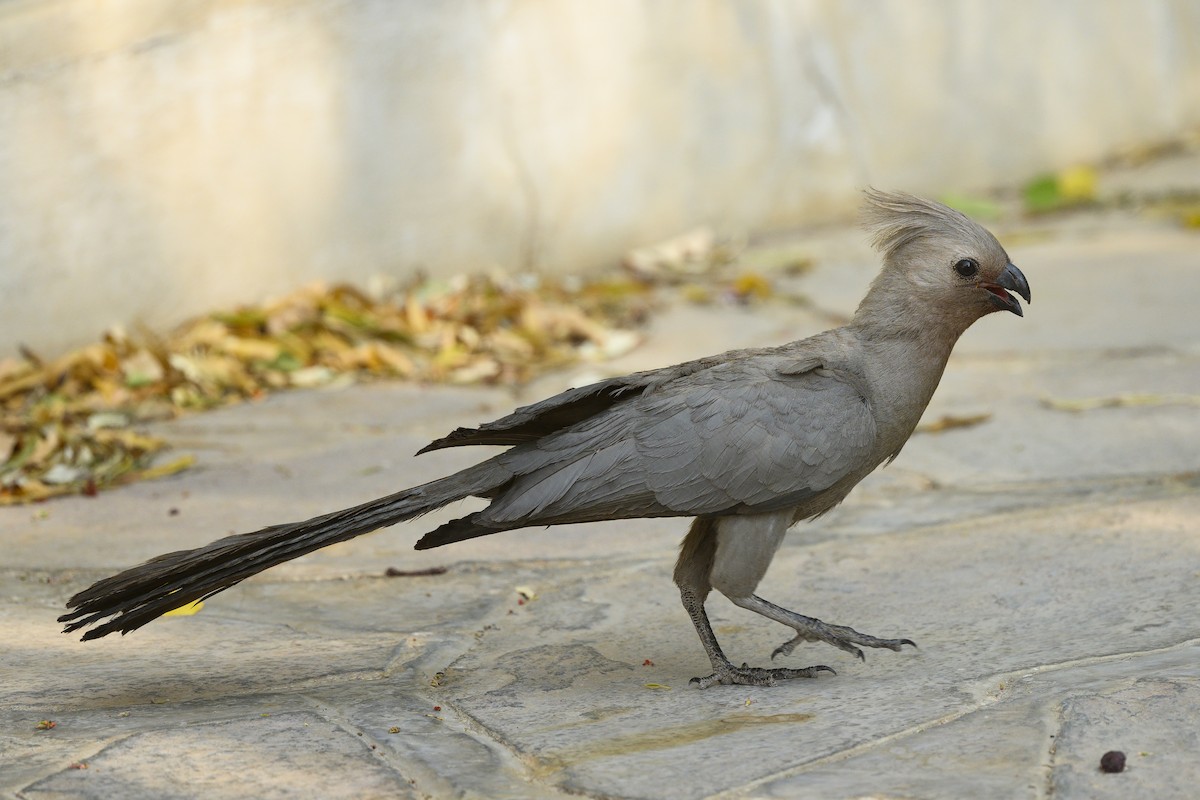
pixel 1012 279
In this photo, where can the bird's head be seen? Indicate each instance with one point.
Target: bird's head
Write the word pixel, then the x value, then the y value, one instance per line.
pixel 937 261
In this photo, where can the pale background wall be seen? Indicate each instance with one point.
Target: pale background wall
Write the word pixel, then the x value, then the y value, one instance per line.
pixel 158 159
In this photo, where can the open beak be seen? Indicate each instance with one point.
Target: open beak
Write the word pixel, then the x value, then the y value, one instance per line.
pixel 1010 279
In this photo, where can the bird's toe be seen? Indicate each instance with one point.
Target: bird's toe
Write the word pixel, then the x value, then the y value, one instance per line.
pixel 746 675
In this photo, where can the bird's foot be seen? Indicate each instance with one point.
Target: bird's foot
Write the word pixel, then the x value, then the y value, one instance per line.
pixel 747 675
pixel 842 637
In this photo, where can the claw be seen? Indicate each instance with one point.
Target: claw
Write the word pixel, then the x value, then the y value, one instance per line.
pixel 756 676
pixel 841 637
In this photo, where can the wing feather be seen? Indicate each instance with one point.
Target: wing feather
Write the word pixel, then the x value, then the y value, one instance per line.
pixel 738 439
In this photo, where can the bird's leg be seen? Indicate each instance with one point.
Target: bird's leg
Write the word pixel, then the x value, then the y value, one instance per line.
pixel 723 670
pixel 693 575
pixel 731 554
pixel 809 629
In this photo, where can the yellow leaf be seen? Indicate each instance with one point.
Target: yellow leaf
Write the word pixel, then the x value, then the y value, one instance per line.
pixel 130 440
pixel 697 294
pixel 202 332
pixel 186 611
pixel 1077 184
pixel 657 686
pixel 29 491
pixel 752 286
pixel 170 468
pixel 250 349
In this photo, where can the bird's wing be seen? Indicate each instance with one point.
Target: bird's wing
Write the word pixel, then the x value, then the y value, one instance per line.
pixel 568 408
pixel 736 438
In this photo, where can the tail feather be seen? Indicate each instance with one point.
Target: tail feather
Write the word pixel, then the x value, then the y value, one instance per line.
pixel 456 530
pixel 142 593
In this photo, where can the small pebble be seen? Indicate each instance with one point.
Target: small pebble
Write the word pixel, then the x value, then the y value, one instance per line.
pixel 1112 761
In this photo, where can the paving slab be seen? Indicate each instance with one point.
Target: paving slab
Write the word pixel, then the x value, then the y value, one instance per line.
pixel 1045 561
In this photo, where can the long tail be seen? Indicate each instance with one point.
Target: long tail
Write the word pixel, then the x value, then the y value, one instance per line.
pixel 142 593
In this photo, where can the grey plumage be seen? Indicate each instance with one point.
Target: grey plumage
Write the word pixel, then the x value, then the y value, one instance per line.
pixel 748 442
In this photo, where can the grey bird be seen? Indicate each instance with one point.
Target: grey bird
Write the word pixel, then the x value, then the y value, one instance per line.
pixel 747 442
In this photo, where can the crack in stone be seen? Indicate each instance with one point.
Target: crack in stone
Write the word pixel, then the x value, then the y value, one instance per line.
pixel 1046 790
pixel 403 770
pixel 87 756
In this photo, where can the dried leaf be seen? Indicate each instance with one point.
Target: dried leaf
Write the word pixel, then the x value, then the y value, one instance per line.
pixel 751 286
pixel 46 445
pixel 28 491
pixel 308 377
pixel 949 422
pixel 107 419
pixel 477 371
pixel 687 254
pixel 170 468
pixel 1120 401
pixel 141 369
pixel 11 368
pixel 250 349
pixel 613 345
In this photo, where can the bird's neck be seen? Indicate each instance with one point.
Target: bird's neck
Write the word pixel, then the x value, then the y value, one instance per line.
pixel 903 374
pixel 893 309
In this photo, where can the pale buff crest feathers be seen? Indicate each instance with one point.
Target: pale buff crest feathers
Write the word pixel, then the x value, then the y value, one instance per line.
pixel 897 219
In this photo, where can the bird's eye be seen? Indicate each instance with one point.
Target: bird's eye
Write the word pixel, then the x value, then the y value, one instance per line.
pixel 967 267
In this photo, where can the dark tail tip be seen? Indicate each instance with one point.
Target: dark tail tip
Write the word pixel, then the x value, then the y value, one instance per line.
pixel 457 530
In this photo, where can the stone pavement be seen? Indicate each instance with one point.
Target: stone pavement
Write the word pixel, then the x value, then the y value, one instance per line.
pixel 1047 562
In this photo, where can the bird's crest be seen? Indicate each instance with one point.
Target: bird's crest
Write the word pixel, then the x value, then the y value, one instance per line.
pixel 895 219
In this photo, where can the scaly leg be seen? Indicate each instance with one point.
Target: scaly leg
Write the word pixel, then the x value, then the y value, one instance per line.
pixel 723 670
pixel 809 629
pixel 693 575
pixel 732 554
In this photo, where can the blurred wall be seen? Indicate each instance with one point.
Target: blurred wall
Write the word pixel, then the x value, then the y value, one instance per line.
pixel 158 159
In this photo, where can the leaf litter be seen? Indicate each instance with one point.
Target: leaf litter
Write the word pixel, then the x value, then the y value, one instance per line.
pixel 71 425
pixel 75 424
